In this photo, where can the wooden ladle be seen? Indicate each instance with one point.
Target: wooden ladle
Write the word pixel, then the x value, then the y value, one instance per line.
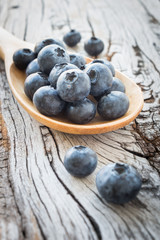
pixel 9 44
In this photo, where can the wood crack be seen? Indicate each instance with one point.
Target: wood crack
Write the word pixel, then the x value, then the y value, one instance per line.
pixel 25 29
pixel 151 155
pixel 134 152
pixel 42 9
pixel 152 18
pixel 9 194
pixel 90 218
pixel 139 52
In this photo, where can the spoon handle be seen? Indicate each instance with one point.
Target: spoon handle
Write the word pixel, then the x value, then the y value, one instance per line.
pixel 8 43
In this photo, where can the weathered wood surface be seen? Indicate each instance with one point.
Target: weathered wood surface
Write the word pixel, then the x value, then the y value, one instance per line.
pixel 38 198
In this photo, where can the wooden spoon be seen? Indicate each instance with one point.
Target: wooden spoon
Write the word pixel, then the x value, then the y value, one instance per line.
pixel 9 44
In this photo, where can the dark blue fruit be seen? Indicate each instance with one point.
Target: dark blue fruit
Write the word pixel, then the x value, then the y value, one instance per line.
pixel 73 85
pixel 23 57
pixel 101 78
pixel 32 67
pixel 51 55
pixel 33 82
pixel 113 106
pixel 80 161
pixel 45 43
pixel 72 38
pixel 107 63
pixel 117 85
pixel 81 112
pixel 78 60
pixel 118 183
pixel 57 71
pixel 47 101
pixel 94 46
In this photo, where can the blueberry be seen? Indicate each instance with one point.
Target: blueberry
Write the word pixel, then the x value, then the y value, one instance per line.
pixel 107 63
pixel 94 46
pixel 32 67
pixel 23 57
pixel 33 82
pixel 73 85
pixel 80 161
pixel 51 55
pixel 72 38
pixel 46 42
pixel 100 96
pixel 78 60
pixel 117 85
pixel 81 112
pixel 57 71
pixel 113 106
pixel 118 183
pixel 47 101
pixel 101 78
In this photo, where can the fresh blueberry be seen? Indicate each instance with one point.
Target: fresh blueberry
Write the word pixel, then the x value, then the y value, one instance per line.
pixel 47 101
pixel 81 112
pixel 107 63
pixel 33 82
pixel 118 183
pixel 94 46
pixel 57 71
pixel 73 85
pixel 117 85
pixel 80 161
pixel 78 60
pixel 46 42
pixel 72 38
pixel 113 106
pixel 23 57
pixel 51 55
pixel 101 78
pixel 32 67
pixel 100 96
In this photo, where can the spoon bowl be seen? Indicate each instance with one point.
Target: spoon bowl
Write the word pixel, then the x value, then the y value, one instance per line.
pixel 9 44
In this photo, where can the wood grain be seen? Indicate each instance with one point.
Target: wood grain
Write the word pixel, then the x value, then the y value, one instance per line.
pixel 38 198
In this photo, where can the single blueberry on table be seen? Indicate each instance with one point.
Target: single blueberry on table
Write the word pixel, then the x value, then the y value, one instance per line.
pixel 46 42
pixel 118 183
pixel 107 63
pixel 80 161
pixel 73 85
pixel 101 78
pixel 72 38
pixel 32 67
pixel 47 101
pixel 33 82
pixel 77 60
pixel 51 55
pixel 113 105
pixel 81 112
pixel 23 57
pixel 94 46
pixel 58 70
pixel 117 85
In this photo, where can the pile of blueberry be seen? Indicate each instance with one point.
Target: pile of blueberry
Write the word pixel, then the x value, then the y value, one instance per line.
pixel 117 183
pixel 58 82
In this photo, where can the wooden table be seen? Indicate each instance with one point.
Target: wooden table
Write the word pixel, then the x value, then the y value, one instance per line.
pixel 38 198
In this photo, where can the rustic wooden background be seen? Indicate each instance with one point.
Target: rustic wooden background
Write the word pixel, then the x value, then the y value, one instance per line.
pixel 38 198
